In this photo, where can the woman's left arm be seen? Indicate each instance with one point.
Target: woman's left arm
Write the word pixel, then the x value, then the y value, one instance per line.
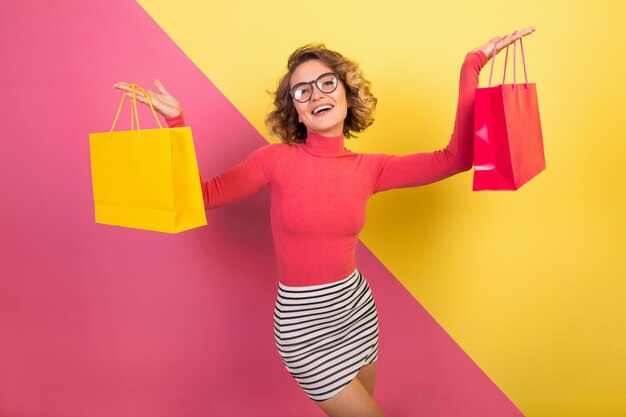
pixel 424 168
pixel 428 167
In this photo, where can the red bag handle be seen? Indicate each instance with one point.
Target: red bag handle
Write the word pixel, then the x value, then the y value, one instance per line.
pixel 493 61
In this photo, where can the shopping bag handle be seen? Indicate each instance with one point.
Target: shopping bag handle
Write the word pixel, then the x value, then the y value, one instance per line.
pixel 133 110
pixel 506 58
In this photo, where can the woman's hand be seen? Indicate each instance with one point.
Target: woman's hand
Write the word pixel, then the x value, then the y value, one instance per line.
pixel 501 43
pixel 163 102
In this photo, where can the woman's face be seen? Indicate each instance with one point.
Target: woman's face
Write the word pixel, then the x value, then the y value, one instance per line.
pixel 327 122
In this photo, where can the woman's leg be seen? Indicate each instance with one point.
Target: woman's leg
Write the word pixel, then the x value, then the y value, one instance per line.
pixel 367 377
pixel 352 401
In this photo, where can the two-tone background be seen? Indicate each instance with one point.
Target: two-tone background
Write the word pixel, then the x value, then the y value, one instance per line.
pixel 491 304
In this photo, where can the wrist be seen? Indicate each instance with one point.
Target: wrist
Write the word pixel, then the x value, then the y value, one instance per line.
pixel 175 121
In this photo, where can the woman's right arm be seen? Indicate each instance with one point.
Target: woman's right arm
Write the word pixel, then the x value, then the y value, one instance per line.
pixel 238 182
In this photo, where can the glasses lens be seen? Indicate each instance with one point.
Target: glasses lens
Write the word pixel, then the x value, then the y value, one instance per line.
pixel 301 92
pixel 327 83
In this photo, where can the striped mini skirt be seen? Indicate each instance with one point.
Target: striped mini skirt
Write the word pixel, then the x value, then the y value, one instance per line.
pixel 325 333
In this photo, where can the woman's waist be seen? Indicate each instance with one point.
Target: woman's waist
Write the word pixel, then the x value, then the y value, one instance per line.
pixel 315 275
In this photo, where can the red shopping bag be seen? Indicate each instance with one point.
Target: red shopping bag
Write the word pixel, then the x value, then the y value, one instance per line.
pixel 508 145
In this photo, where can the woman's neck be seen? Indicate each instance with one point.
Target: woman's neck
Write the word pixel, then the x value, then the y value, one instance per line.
pixel 321 145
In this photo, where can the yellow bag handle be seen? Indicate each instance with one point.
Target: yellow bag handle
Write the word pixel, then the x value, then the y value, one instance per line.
pixel 133 110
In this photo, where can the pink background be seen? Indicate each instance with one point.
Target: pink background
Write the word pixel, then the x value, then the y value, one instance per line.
pixel 104 321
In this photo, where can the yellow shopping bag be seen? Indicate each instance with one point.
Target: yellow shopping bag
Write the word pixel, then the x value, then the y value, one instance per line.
pixel 146 179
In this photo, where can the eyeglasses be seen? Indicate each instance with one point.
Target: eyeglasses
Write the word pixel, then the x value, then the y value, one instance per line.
pixel 326 83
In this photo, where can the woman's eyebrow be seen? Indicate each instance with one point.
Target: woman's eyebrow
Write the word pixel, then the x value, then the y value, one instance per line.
pixel 308 81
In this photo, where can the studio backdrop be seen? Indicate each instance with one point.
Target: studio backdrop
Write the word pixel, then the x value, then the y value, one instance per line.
pixel 491 303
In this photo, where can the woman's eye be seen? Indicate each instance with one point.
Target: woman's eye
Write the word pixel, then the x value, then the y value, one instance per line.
pixel 300 93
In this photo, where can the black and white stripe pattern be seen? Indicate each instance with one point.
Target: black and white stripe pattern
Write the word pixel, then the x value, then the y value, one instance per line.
pixel 326 333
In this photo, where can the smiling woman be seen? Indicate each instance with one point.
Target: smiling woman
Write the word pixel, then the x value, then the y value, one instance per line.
pixel 325 317
pixel 308 71
pixel 323 112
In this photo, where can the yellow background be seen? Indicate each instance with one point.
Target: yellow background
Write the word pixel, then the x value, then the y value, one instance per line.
pixel 529 283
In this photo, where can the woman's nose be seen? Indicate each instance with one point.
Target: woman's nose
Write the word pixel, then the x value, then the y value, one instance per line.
pixel 317 94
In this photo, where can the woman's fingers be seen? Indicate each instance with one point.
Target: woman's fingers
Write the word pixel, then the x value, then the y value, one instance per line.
pixel 138 93
pixel 122 86
pixel 129 88
pixel 499 43
pixel 143 99
pixel 159 85
pixel 512 37
pixel 126 87
pixel 161 106
pixel 526 31
pixel 163 102
pixel 138 97
pixel 151 95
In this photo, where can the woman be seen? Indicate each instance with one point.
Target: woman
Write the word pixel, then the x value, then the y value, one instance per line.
pixel 325 319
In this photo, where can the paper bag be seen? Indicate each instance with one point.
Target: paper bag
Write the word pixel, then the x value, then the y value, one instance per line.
pixel 508 144
pixel 146 179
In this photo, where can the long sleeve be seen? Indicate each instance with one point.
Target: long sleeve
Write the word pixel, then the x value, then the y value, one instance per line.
pixel 239 181
pixel 176 121
pixel 413 170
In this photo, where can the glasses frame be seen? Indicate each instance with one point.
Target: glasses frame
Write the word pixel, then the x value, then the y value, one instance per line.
pixel 315 81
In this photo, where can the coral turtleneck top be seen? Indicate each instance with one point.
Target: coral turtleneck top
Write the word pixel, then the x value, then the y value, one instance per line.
pixel 320 189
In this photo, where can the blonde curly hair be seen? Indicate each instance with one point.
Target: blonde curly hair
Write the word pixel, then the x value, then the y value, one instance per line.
pixel 283 120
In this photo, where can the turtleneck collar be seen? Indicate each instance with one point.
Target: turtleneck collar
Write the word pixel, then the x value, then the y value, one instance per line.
pixel 327 146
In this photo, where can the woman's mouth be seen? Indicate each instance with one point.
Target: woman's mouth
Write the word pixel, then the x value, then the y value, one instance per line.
pixel 321 110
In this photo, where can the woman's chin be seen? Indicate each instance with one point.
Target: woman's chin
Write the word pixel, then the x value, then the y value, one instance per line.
pixel 329 129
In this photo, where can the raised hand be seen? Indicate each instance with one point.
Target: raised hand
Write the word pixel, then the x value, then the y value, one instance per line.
pixel 500 43
pixel 163 102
